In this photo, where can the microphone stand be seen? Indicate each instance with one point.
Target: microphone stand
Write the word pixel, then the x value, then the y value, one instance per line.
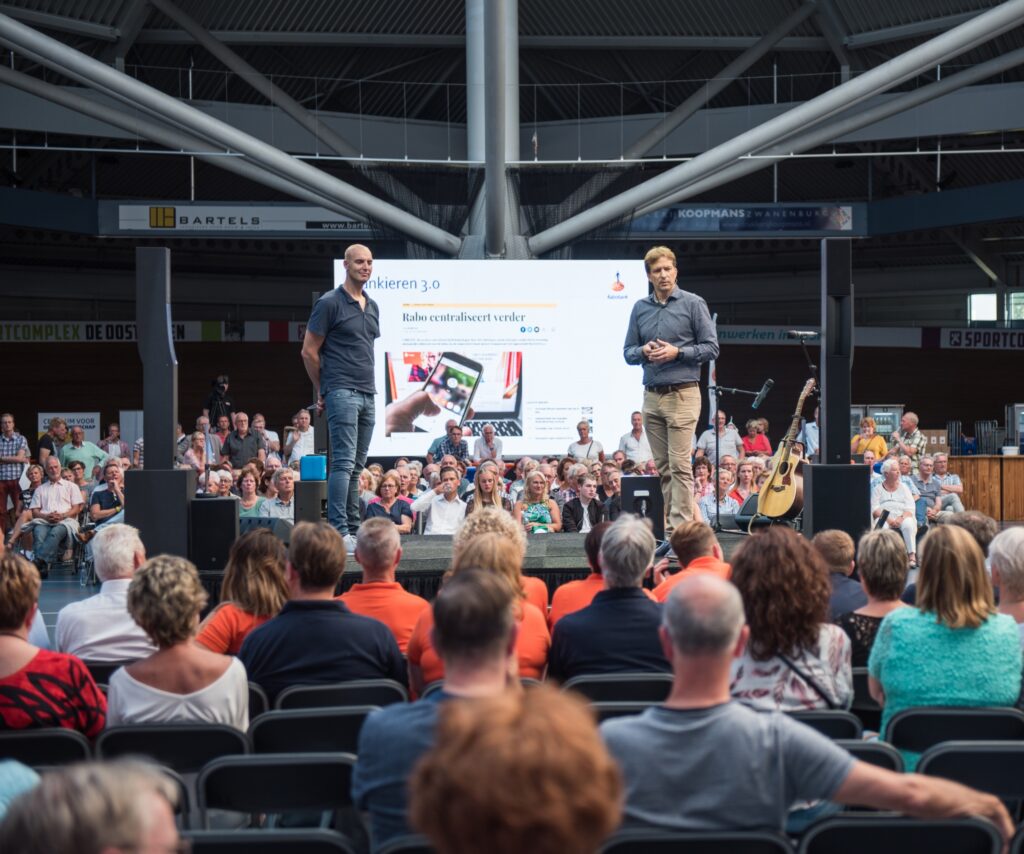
pixel 717 389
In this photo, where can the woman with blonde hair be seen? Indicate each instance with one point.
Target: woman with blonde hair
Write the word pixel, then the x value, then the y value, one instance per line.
pixel 868 439
pixel 535 511
pixel 195 456
pixel 952 649
pixel 502 555
pixel 181 681
pixel 488 491
pixel 253 591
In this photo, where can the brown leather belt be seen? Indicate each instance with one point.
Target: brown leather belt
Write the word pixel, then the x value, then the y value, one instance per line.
pixel 668 389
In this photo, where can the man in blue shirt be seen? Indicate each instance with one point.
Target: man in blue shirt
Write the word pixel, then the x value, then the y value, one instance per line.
pixel 475 635
pixel 671 334
pixel 338 354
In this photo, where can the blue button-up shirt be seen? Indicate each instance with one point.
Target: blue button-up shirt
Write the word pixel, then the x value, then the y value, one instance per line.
pixel 684 321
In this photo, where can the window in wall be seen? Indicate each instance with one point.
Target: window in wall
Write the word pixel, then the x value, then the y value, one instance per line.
pixel 1016 307
pixel 981 307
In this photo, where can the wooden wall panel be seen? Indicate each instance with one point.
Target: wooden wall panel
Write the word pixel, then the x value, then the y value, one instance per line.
pixel 1013 489
pixel 982 478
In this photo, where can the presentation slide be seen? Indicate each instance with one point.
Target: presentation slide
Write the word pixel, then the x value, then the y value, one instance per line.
pixel 533 347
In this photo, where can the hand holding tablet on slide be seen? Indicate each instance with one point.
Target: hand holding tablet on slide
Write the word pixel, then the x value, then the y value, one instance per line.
pixel 400 415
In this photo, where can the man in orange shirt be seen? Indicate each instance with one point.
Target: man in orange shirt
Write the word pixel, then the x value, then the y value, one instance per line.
pixel 378 552
pixel 575 595
pixel 697 551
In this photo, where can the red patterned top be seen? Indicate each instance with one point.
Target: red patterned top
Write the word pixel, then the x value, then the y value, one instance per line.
pixel 52 690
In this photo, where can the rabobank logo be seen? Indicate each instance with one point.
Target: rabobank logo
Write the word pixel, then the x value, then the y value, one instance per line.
pixel 617 288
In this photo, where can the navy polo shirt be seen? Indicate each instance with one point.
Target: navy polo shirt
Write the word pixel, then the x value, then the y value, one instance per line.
pixel 346 357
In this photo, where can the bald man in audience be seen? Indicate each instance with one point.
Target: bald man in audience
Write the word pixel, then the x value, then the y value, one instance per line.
pixel 697 549
pixel 379 595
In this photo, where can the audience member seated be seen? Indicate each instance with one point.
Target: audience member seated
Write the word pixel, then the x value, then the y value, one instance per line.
pixel 487 490
pixel 34 473
pixel 55 507
pixel 95 808
pixel 501 555
pixel 253 591
pixel 195 457
pixel 300 440
pixel 868 440
pixel 744 486
pixel 487 447
pixel 634 444
pixel 756 442
pixel 618 631
pixel 697 550
pixel 1006 555
pixel 453 445
pixel 893 495
pixel 378 595
pixel 702 484
pixel 282 505
pixel 367 487
pixel 794 659
pixel 107 504
pixel 40 688
pixel 836 550
pixel 270 438
pixel 85 486
pixel 388 505
pixel 587 448
pixel 882 566
pixel 249 499
pixel 523 468
pixel 87 453
pixel 906 474
pixel 679 760
pixel 583 512
pixel 953 649
pixel 182 682
pixel 573 596
pixel 809 436
pixel 445 510
pixel 613 491
pixel 952 489
pixel 517 772
pixel 729 441
pixel 711 506
pixel 474 633
pixel 100 628
pixel 928 506
pixel 982 529
pixel 316 639
pixel 537 513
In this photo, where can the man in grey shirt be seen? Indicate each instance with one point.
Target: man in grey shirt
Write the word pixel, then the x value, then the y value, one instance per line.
pixel 705 762
pixel 671 334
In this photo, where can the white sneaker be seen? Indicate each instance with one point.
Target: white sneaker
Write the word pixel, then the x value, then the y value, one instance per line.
pixel 350 544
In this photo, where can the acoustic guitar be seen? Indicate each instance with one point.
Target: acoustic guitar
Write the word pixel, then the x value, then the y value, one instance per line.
pixel 782 495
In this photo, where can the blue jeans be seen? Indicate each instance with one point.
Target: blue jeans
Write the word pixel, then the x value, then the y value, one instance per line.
pixel 350 417
pixel 48 541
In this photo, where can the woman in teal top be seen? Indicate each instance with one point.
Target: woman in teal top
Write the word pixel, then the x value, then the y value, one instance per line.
pixel 953 649
pixel 250 500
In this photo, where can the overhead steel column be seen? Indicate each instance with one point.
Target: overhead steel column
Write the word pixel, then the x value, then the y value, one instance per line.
pixel 475 116
pixel 62 58
pixel 511 80
pixel 258 81
pixel 719 82
pixel 494 132
pixel 834 130
pixel 168 136
pixel 978 30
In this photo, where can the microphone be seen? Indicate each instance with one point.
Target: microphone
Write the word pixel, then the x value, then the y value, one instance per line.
pixel 801 334
pixel 762 394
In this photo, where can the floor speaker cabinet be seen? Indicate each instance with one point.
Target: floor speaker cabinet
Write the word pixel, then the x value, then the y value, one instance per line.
pixel 836 496
pixel 642 495
pixel 213 528
pixel 159 508
pixel 310 501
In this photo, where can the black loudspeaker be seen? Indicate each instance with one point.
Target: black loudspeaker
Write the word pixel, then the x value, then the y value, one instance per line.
pixel 836 496
pixel 213 528
pixel 836 350
pixel 310 501
pixel 158 507
pixel 642 495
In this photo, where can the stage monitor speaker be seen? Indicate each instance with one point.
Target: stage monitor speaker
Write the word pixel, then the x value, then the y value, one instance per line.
pixel 837 496
pixel 159 508
pixel 641 495
pixel 213 529
pixel 310 501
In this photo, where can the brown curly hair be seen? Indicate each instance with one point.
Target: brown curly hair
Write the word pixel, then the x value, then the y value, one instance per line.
pixel 785 589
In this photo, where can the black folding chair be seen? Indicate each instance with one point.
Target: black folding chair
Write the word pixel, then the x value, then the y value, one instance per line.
pixel 412 844
pixel 258 701
pixel 833 723
pixel 328 730
pixel 873 752
pixel 312 841
pixel 898 835
pixel 44 748
pixel 102 670
pixel 185 748
pixel 359 692
pixel 723 842
pixel 991 766
pixel 919 728
pixel 864 705
pixel 622 687
pixel 183 809
pixel 276 783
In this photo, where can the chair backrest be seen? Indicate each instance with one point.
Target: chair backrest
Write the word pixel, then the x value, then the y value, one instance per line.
pixel 607 710
pixel 184 748
pixel 864 705
pixel 873 752
pixel 311 841
pixel 411 844
pixel 276 783
pixel 991 766
pixel 102 670
pixel 359 692
pixel 622 687
pixel 184 806
pixel 45 747
pixel 328 730
pixel 832 723
pixel 258 701
pixel 723 842
pixel 920 728
pixel 898 835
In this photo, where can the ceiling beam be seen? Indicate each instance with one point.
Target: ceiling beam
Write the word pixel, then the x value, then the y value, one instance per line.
pixel 61 23
pixel 129 23
pixel 908 31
